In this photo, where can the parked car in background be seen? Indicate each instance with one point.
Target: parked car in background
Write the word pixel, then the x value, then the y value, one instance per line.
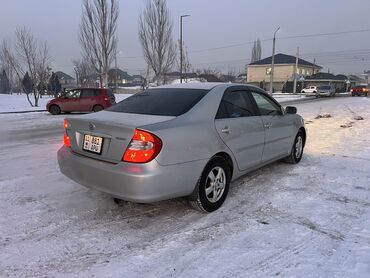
pixel 325 90
pixel 361 90
pixel 180 140
pixel 82 100
pixel 309 91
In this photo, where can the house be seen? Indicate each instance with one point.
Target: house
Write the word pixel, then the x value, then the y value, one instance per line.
pixel 367 76
pixel 137 80
pixel 65 80
pixel 259 72
pixel 119 77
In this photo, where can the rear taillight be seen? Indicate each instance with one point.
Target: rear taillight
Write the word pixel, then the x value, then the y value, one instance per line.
pixel 66 140
pixel 65 124
pixel 144 147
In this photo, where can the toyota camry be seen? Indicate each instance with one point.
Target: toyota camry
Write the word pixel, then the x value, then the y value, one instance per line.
pixel 186 140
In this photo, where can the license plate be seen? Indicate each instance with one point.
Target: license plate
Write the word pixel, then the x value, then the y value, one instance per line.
pixel 93 143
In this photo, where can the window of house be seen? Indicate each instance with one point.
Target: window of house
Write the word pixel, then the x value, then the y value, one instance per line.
pixel 268 71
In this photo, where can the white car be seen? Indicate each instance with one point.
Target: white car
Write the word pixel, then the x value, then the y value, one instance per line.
pixel 310 91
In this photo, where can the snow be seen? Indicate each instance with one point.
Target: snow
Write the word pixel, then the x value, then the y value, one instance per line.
pixel 17 103
pixel 310 219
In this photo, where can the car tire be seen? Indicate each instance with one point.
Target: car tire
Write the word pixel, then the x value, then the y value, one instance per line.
pixel 97 108
pixel 296 152
pixel 303 92
pixel 212 187
pixel 54 110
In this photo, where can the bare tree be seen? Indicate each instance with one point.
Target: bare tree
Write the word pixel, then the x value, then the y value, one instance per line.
pixel 155 34
pixel 97 36
pixel 84 72
pixel 30 56
pixel 256 51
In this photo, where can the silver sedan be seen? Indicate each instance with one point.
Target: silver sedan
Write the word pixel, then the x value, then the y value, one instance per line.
pixel 180 140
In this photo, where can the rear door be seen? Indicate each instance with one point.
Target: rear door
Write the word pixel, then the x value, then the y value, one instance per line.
pixel 278 127
pixel 240 128
pixel 88 99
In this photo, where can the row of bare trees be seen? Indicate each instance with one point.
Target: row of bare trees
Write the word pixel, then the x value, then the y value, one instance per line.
pixel 27 56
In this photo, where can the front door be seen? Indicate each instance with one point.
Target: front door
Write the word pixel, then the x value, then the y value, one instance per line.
pixel 278 127
pixel 70 102
pixel 241 128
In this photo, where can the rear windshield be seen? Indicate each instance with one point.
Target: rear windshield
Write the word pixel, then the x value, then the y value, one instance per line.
pixel 161 102
pixel 110 93
pixel 326 87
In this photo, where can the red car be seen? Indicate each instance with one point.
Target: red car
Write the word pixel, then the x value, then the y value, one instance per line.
pixel 82 100
pixel 361 90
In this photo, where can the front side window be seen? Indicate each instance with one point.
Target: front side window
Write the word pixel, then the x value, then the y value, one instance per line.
pixel 265 105
pixel 161 102
pixel 73 94
pixel 235 104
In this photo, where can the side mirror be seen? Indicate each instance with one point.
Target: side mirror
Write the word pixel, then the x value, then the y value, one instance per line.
pixel 291 110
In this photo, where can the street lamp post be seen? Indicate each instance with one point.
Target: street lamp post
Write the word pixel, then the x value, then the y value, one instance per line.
pixel 273 61
pixel 181 17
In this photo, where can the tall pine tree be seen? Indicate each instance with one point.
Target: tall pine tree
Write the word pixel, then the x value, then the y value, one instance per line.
pixel 256 51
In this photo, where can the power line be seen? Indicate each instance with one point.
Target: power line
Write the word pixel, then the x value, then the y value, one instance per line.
pixel 264 40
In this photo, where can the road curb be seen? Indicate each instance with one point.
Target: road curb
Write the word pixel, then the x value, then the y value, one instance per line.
pixel 22 112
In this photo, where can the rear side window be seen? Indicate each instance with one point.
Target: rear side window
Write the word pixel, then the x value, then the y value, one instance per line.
pixel 161 102
pixel 235 104
pixel 90 93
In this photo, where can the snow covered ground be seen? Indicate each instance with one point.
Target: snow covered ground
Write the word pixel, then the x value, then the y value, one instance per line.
pixel 305 220
pixel 17 103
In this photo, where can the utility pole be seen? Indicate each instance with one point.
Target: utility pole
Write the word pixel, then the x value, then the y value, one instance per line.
pixel 115 65
pixel 313 67
pixel 273 61
pixel 295 72
pixel 181 44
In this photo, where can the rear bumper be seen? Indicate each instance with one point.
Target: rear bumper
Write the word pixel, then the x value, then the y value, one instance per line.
pixel 142 183
pixel 325 93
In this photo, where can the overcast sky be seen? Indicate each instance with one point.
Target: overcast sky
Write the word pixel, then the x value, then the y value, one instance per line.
pixel 213 24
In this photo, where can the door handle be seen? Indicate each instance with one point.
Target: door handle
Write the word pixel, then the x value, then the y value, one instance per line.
pixel 269 125
pixel 226 130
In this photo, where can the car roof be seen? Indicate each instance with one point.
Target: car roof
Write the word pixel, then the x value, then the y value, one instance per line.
pixel 200 85
pixel 205 85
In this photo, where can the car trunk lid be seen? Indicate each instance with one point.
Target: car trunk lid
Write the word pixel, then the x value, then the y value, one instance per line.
pixel 111 131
